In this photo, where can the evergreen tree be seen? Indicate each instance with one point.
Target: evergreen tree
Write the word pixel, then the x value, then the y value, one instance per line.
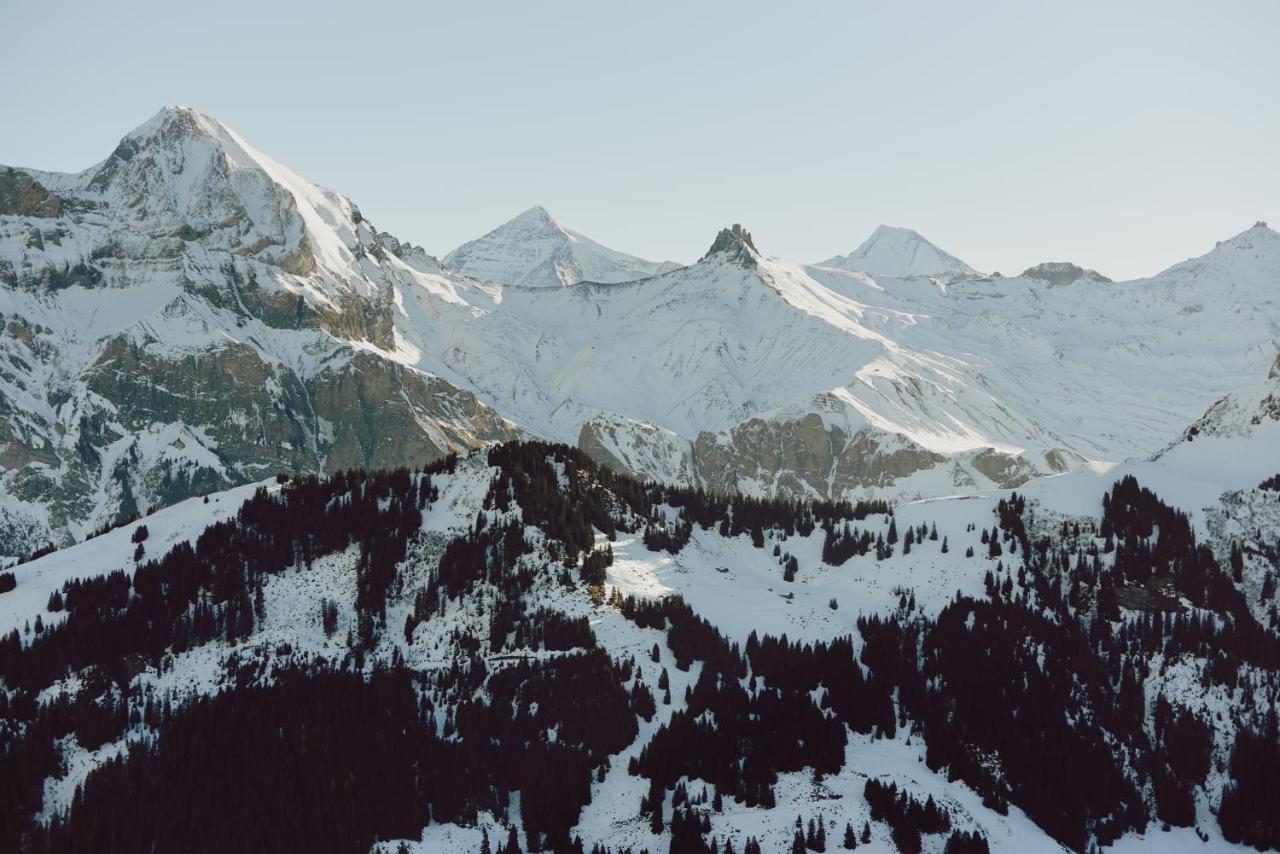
pixel 850 841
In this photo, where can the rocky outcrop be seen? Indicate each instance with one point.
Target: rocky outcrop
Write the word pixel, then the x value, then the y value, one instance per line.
pixel 734 244
pixel 638 448
pixel 1058 273
pixel 1004 470
pixel 147 425
pixel 380 414
pixel 805 457
pixel 22 195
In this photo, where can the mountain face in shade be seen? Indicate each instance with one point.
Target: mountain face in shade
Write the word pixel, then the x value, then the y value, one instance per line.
pixel 534 250
pixel 893 251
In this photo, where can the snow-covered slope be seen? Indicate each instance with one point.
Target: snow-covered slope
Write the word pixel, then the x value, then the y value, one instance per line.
pixel 811 380
pixel 534 250
pixel 891 251
pixel 741 589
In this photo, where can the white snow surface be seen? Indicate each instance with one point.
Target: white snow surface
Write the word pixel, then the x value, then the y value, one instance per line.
pixel 891 251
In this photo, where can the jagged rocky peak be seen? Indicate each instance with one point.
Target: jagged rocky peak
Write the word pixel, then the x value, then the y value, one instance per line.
pixel 735 244
pixel 1056 273
pixel 166 130
pixel 892 251
pixel 1249 238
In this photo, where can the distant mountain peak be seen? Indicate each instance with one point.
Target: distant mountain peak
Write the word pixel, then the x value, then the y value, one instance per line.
pixel 534 249
pixel 735 244
pixel 894 251
pixel 1057 273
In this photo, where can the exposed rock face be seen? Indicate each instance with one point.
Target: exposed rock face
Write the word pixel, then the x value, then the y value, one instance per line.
pixel 734 244
pixel 147 426
pixel 1057 273
pixel 384 414
pixel 800 456
pixel 22 195
pixel 1003 469
pixel 803 457
pixel 1240 414
pixel 639 449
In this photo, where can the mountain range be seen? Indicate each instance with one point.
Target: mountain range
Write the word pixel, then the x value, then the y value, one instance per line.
pixel 189 315
pixel 310 540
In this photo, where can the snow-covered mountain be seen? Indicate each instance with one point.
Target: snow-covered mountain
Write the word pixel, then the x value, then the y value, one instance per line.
pixel 534 250
pixel 189 315
pixel 891 251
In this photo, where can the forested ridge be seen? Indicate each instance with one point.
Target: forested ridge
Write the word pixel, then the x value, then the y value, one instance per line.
pixel 1035 694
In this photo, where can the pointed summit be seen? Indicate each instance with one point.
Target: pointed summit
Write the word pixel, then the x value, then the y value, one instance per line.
pixel 537 215
pixel 734 244
pixel 184 174
pixel 891 251
pixel 534 250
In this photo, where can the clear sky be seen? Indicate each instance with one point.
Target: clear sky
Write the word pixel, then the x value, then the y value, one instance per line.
pixel 1123 136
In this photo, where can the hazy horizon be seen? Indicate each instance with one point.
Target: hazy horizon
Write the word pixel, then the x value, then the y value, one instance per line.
pixel 1122 139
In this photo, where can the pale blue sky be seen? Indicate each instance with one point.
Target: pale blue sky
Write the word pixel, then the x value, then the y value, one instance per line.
pixel 1124 136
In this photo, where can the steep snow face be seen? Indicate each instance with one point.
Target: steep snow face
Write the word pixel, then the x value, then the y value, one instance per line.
pixel 891 251
pixel 533 250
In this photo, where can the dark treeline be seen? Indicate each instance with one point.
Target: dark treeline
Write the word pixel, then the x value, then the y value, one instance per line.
pixel 195 594
pixel 739 738
pixel 333 760
pixel 907 817
pixel 252 770
pixel 1132 515
pixel 1250 810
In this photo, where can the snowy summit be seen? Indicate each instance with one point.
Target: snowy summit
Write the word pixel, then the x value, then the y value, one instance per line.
pixel 891 251
pixel 534 250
